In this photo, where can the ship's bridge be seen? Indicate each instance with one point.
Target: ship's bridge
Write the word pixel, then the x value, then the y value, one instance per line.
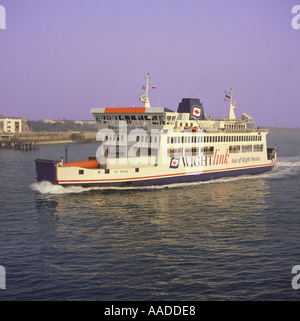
pixel 135 118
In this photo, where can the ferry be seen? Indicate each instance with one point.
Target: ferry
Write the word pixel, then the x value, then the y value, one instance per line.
pixel 148 146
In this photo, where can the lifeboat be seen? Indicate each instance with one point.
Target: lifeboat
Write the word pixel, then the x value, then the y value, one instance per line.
pixel 191 128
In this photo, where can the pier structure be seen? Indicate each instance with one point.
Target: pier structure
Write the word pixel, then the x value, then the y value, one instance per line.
pixel 33 140
pixel 19 145
pixel 11 141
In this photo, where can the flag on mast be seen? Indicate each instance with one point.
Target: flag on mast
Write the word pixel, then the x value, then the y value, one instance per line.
pixel 227 95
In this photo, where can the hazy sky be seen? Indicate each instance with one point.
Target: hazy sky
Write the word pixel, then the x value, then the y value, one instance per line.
pixel 60 58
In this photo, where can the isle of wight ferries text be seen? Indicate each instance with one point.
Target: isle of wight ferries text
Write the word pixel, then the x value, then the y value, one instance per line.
pixel 208 160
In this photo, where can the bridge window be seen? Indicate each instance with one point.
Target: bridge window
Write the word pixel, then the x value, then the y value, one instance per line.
pixel 162 120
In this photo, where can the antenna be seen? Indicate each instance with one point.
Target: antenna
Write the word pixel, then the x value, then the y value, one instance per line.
pixel 66 152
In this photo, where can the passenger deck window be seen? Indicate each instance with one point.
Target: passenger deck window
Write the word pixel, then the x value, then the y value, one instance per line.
pixel 246 148
pixel 234 149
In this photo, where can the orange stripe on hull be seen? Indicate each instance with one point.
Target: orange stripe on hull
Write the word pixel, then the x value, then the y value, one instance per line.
pixel 83 164
pixel 127 110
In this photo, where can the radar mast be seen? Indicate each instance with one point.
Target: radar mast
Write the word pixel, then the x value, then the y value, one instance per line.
pixel 144 97
pixel 228 95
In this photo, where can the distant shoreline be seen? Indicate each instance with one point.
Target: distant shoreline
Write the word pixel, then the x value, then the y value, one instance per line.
pixel 56 137
pixel 47 138
pixel 56 142
pixel 282 130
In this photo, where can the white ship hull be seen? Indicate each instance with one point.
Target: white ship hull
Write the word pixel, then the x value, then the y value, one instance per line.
pixel 185 169
pixel 147 179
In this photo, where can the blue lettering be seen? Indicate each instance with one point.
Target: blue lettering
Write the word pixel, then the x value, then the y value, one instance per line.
pixel 186 162
pixel 196 161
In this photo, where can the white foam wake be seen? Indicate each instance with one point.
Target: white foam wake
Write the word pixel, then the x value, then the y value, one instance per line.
pixel 287 166
pixel 293 161
pixel 52 189
pixel 49 188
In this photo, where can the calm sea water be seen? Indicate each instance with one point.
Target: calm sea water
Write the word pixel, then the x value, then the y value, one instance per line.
pixel 230 239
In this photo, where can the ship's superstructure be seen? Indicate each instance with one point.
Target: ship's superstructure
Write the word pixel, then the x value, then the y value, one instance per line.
pixel 141 146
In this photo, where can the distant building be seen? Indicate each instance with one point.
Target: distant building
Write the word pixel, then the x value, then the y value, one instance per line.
pixel 13 125
pixel 1 124
pixel 84 122
pixel 50 121
pixel 77 122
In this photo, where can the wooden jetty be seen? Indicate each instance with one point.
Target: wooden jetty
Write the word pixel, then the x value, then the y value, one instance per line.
pixel 33 140
pixel 19 145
